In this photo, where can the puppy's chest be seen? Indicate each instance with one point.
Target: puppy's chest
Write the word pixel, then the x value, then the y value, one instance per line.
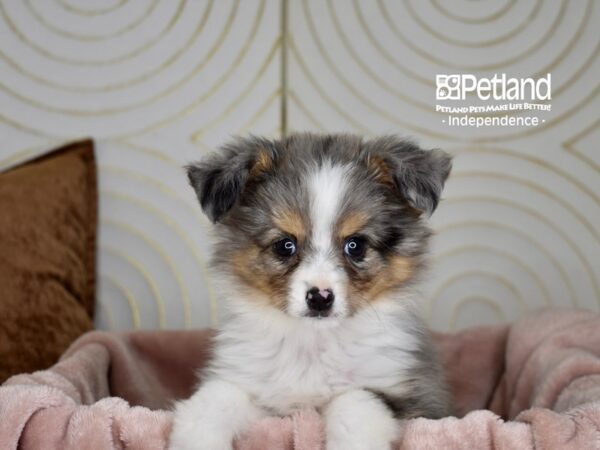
pixel 292 373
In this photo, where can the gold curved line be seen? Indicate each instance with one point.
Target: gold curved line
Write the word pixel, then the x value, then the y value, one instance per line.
pixel 470 20
pixel 158 300
pixel 145 150
pixel 80 37
pixel 585 263
pixel 58 58
pixel 197 135
pixel 193 208
pixel 479 44
pixel 88 12
pixel 383 51
pixel 108 315
pixel 322 93
pixel 132 81
pixel 487 248
pixel 190 75
pixel 358 60
pixel 26 128
pixel 154 246
pixel 475 299
pixel 488 224
pixel 481 274
pixel 364 100
pixel 23 155
pixel 294 98
pixel 503 176
pixel 131 301
pixel 160 95
pixel 268 102
pixel 567 50
pixel 569 146
pixel 501 151
pixel 181 234
pixel 215 87
pixel 486 67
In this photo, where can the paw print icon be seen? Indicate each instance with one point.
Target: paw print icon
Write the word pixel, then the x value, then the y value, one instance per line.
pixel 447 87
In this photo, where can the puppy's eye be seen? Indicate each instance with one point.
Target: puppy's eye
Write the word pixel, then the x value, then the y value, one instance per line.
pixel 285 247
pixel 355 247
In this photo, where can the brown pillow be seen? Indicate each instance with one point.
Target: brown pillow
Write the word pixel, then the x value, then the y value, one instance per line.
pixel 48 211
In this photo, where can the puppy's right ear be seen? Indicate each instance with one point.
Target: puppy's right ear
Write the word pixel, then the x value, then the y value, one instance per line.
pixel 219 180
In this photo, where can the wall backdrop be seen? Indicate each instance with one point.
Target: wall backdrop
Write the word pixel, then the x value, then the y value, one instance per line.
pixel 157 83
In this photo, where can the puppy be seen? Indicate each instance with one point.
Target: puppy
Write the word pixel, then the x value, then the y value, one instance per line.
pixel 321 239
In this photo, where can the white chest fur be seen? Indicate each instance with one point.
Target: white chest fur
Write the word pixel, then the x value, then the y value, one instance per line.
pixel 288 364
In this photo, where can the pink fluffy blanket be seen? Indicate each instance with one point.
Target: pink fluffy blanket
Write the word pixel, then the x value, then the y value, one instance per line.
pixel 533 384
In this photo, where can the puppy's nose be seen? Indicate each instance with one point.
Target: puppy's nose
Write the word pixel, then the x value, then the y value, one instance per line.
pixel 319 299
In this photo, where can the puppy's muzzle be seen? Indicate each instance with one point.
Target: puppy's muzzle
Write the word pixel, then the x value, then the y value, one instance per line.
pixel 319 301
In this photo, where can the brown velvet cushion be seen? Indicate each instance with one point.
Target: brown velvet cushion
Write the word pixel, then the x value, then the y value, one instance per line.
pixel 48 211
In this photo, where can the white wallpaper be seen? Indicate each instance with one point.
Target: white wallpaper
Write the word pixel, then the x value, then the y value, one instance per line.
pixel 158 82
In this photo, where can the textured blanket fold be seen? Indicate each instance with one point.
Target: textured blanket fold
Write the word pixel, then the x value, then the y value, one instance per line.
pixel 533 384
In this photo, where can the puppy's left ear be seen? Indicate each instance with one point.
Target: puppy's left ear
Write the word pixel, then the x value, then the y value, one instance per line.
pixel 220 179
pixel 416 175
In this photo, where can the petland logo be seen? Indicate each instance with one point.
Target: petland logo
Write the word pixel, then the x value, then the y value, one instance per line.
pixel 457 86
pixel 499 101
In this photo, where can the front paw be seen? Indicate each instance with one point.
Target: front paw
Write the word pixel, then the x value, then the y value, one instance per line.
pixel 198 432
pixel 348 440
pixel 357 420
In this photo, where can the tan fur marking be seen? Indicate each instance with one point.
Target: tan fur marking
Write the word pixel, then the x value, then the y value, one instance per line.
pixel 396 273
pixel 351 224
pixel 262 164
pixel 271 289
pixel 291 222
pixel 381 171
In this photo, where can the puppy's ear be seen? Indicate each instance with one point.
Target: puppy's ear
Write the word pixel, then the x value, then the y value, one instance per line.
pixel 416 175
pixel 219 180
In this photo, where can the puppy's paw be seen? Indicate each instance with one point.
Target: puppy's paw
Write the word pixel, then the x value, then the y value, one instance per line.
pixel 212 417
pixel 347 439
pixel 358 420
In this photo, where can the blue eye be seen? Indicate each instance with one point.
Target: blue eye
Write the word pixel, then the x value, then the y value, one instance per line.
pixel 355 247
pixel 285 247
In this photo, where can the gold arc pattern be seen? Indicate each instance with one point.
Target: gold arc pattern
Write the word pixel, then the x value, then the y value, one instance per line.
pixel 476 67
pixel 54 57
pixel 87 12
pixel 535 214
pixel 527 238
pixel 86 37
pixel 478 44
pixel 179 233
pixel 131 301
pixel 476 299
pixel 517 262
pixel 123 84
pixel 503 281
pixel 489 18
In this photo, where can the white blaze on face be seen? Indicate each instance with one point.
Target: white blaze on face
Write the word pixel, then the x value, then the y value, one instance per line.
pixel 327 187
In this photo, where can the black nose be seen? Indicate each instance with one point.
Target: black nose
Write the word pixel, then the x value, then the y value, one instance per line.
pixel 319 299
